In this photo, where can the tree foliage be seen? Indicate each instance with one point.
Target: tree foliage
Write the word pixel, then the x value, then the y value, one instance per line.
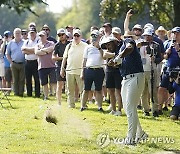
pixel 82 14
pixel 159 11
pixel 20 5
pixel 10 19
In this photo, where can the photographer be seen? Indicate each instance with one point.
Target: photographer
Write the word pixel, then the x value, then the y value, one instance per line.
pixel 173 61
pixel 150 56
pixel 174 86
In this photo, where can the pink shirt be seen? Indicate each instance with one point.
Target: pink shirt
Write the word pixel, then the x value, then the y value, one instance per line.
pixel 45 61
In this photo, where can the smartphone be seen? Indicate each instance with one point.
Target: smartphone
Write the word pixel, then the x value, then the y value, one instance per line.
pixel 133 12
pixel 144 43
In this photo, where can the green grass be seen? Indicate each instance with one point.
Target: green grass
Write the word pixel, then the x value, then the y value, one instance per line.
pixel 24 130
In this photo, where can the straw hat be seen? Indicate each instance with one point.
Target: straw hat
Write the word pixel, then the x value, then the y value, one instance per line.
pixel 129 34
pixel 161 28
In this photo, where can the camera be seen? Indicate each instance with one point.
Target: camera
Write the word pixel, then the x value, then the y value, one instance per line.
pixel 152 51
pixel 144 43
pixel 175 75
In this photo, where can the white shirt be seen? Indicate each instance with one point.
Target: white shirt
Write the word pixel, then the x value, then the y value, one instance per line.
pixel 31 43
pixel 93 56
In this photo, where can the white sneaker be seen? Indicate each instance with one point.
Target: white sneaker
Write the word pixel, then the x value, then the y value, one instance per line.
pixel 142 138
pixel 112 112
pixel 118 113
pixel 109 108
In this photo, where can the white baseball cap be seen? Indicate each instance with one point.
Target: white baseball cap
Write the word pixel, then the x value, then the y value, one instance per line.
pixel 116 30
pixel 76 31
pixel 61 31
pixel 149 25
pixel 148 31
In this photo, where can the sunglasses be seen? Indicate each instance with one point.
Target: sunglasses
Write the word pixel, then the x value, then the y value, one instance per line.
pixel 76 35
pixel 128 37
pixel 138 29
pixel 24 33
pixel 60 35
pixel 46 29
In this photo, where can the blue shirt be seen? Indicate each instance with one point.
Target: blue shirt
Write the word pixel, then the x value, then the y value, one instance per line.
pixel 15 52
pixel 174 87
pixel 131 63
pixel 173 59
pixel 156 39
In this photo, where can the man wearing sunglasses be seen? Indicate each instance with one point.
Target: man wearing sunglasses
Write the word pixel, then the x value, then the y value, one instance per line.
pixel 73 55
pixel 58 57
pixel 47 29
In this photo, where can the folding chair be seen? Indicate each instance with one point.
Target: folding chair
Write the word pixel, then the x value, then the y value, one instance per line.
pixel 4 96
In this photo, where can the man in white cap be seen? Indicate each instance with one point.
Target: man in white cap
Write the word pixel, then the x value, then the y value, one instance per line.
pixel 46 65
pixel 137 29
pixel 150 56
pixel 31 64
pixel 113 76
pixel 73 56
pixel 116 31
pixel 58 57
pixel 93 61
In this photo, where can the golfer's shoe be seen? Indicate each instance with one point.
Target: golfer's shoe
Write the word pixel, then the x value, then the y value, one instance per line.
pixel 142 138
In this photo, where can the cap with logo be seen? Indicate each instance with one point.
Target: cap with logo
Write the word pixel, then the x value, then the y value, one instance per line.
pixel 107 40
pixel 61 31
pixel 148 31
pixel 76 31
pixel 32 29
pixel 176 29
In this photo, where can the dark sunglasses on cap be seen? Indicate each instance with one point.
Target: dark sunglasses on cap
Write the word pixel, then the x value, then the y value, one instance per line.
pixel 60 35
pixel 76 35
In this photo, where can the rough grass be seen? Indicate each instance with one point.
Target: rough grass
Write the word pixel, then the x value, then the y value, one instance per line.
pixel 25 130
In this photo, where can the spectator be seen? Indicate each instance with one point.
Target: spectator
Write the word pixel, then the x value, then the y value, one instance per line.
pixel 8 74
pixel 24 33
pixel 46 65
pixel 73 55
pixel 173 61
pixel 31 64
pixel 93 61
pixel 53 74
pixel 174 86
pixel 16 59
pixel 150 56
pixel 113 76
pixel 58 57
pixel 161 33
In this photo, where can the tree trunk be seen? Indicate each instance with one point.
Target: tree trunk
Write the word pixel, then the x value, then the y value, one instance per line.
pixel 176 4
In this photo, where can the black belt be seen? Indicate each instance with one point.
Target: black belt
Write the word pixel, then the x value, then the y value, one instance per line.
pixel 128 76
pixel 17 62
pixel 31 60
pixel 95 68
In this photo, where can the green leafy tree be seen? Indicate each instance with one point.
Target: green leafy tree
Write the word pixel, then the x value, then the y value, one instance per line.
pixel 20 5
pixel 10 19
pixel 43 17
pixel 165 12
pixel 82 14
